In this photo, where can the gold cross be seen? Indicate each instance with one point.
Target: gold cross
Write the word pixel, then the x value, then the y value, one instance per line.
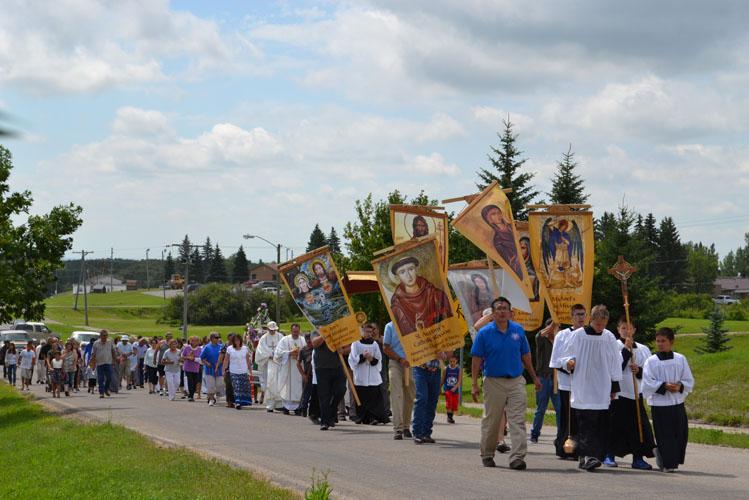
pixel 622 270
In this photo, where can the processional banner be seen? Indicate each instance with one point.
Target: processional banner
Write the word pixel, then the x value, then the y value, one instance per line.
pixel 408 222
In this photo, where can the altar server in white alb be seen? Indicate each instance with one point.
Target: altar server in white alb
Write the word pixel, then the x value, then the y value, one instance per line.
pixel 268 367
pixel 289 376
pixel 624 437
pixel 592 356
pixel 365 360
pixel 567 420
pixel 666 381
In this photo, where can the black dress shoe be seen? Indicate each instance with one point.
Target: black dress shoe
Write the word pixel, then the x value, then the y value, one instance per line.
pixel 488 462
pixel 398 436
pixel 518 464
pixel 285 411
pixel 428 439
pixel 407 433
pixel 324 427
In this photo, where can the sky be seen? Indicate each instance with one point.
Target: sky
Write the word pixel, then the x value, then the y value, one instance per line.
pixel 225 118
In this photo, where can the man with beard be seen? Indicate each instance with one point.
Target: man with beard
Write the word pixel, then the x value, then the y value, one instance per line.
pixel 416 300
pixel 420 227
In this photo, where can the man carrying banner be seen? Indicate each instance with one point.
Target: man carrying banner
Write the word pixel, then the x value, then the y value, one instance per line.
pixel 402 390
pixel 331 380
pixel 503 348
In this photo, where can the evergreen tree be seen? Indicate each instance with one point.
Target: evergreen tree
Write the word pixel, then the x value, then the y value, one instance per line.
pixel 716 336
pixel 184 250
pixel 506 167
pixel 671 262
pixel 568 188
pixel 196 266
pixel 207 259
pixel 317 239
pixel 728 265
pixel 240 271
pixel 218 266
pixel 168 267
pixel 702 267
pixel 334 242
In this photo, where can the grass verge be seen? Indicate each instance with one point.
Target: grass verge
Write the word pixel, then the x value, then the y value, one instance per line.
pixel 104 460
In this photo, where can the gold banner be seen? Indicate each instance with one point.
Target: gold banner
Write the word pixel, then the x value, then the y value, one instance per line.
pixel 487 222
pixel 314 282
pixel 414 287
pixel 408 222
pixel 530 320
pixel 562 251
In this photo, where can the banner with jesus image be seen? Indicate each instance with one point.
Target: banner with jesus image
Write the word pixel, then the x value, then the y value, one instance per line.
pixel 314 283
pixel 408 222
pixel 414 288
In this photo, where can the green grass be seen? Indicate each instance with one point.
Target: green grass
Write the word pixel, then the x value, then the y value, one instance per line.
pixel 134 313
pixel 690 325
pixel 105 461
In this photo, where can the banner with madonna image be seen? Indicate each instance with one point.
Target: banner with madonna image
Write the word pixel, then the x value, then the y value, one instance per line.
pixel 476 286
pixel 414 287
pixel 316 286
pixel 488 223
pixel 562 250
pixel 409 222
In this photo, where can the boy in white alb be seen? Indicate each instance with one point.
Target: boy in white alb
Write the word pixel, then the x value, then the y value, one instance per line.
pixel 365 361
pixel 593 358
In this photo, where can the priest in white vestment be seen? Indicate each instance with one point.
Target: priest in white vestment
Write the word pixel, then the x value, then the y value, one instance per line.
pixel 268 367
pixel 289 375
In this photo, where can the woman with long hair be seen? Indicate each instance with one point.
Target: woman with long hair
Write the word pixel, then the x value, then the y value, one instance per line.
pixel 239 364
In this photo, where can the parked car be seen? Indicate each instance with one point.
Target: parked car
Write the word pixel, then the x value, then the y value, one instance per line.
pixel 84 337
pixel 18 337
pixel 36 329
pixel 725 300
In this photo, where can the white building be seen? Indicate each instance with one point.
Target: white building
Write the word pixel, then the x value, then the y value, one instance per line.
pixel 102 284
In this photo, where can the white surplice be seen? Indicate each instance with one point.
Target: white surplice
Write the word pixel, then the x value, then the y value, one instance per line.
pixel 668 371
pixel 598 363
pixel 560 344
pixel 641 353
pixel 266 348
pixel 365 374
pixel 288 378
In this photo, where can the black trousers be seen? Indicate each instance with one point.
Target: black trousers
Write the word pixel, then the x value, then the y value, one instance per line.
pixel 592 433
pixel 568 417
pixel 624 437
pixel 671 433
pixel 193 379
pixel 229 389
pixel 314 402
pixel 331 387
pixel 372 408
pixel 306 395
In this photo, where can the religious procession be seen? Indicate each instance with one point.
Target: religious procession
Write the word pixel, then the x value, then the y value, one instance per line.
pixel 599 380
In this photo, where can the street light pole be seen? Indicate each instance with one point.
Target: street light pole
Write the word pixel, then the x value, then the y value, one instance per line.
pixel 278 277
pixel 184 287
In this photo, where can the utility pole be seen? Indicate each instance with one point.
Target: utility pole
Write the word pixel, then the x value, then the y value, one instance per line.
pixel 184 288
pixel 148 281
pixel 111 271
pixel 84 277
pixel 163 268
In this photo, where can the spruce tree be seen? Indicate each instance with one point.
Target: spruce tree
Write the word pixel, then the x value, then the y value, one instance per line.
pixel 240 272
pixel 716 337
pixel 567 188
pixel 168 267
pixel 334 242
pixel 207 259
pixel 506 167
pixel 671 265
pixel 196 266
pixel 317 239
pixel 184 250
pixel 218 266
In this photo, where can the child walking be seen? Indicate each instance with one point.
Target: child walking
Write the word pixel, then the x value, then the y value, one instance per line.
pixel 58 376
pixel 452 380
pixel 666 381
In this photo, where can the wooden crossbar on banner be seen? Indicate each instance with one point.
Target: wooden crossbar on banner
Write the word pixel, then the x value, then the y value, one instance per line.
pixel 469 197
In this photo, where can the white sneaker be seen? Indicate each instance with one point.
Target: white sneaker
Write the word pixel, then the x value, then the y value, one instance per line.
pixel 211 403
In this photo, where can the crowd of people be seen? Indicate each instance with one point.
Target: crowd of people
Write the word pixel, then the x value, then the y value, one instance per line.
pixel 597 381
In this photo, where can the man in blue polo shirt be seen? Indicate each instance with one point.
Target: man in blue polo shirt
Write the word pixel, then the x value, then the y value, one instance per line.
pixel 502 347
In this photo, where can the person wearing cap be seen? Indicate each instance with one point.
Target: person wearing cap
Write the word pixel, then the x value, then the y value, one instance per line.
pixel 416 303
pixel 268 366
pixel 124 353
pixel 212 370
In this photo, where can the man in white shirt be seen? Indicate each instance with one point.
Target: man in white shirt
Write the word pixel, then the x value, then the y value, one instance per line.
pixel 124 353
pixel 289 376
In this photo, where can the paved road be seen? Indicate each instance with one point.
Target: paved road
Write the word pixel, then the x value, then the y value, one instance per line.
pixel 365 462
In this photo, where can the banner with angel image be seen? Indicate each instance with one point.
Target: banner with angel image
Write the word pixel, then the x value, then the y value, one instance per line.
pixel 562 251
pixel 314 283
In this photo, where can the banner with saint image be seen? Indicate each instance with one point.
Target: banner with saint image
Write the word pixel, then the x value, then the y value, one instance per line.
pixel 476 286
pixel 414 287
pixel 318 290
pixel 562 250
pixel 488 223
pixel 408 222
pixel 530 320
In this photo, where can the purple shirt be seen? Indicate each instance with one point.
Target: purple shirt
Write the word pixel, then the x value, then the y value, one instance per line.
pixel 191 366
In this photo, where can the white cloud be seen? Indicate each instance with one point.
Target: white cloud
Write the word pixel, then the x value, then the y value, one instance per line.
pixel 434 164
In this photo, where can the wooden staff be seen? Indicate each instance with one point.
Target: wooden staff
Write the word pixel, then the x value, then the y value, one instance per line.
pixel 622 271
pixel 350 379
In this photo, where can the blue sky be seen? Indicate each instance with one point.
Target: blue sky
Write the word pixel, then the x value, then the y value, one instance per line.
pixel 222 118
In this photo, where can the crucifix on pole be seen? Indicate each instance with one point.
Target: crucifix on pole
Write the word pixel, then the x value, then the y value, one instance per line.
pixel 622 271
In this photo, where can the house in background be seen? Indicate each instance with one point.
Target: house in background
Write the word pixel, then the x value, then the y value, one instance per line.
pixel 735 287
pixel 264 271
pixel 102 284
